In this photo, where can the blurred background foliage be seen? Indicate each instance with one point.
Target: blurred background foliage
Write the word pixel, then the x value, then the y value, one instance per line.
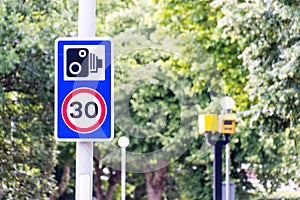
pixel 164 51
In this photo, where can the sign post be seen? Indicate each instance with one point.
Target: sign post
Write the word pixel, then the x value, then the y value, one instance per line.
pixel 84 94
pixel 84 150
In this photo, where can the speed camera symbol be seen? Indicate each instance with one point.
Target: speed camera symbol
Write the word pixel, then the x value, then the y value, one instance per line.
pixel 80 62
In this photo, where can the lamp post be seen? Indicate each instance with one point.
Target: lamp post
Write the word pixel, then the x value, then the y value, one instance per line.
pixel 123 143
pixel 224 124
pixel 218 145
pixel 227 103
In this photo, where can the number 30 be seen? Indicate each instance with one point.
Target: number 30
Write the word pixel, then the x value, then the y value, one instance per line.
pixel 78 109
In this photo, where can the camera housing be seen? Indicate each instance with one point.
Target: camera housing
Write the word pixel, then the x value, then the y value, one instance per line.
pixel 227 123
pixel 223 123
pixel 77 62
pixel 208 123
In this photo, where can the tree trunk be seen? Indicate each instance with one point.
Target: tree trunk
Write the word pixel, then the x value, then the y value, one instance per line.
pixel 97 180
pixel 155 182
pixel 62 187
pixel 152 194
pixel 114 178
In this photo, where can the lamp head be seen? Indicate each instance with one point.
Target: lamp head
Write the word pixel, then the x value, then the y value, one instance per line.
pixel 123 142
pixel 227 103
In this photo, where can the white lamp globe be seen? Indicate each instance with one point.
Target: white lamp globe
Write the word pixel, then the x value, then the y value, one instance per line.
pixel 123 142
pixel 227 103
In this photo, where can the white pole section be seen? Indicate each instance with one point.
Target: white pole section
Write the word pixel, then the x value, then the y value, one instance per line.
pixel 227 103
pixel 86 18
pixel 123 176
pixel 227 178
pixel 84 170
pixel 84 150
pixel 123 143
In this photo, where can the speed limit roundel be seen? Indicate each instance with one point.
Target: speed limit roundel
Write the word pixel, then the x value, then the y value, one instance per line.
pixel 84 110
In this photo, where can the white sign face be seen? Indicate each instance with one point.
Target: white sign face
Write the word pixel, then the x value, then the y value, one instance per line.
pixel 84 110
pixel 85 63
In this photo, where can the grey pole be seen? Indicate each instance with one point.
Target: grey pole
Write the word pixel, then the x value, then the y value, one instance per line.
pixel 123 143
pixel 84 150
pixel 227 104
pixel 227 175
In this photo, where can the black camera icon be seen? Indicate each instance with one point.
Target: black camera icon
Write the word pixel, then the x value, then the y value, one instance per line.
pixel 80 63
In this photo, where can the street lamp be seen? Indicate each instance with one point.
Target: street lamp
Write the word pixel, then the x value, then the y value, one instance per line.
pixel 123 143
pixel 225 125
pixel 227 103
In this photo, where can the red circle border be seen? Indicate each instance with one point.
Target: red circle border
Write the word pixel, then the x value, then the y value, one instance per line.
pixel 102 104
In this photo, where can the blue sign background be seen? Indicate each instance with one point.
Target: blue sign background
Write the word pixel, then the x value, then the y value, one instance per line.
pixel 63 88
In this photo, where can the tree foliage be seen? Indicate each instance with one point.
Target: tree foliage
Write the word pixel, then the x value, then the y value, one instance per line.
pixel 269 32
pixel 254 45
pixel 27 152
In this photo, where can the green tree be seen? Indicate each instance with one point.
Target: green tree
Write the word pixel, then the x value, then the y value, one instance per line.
pixel 254 45
pixel 269 33
pixel 134 58
pixel 224 74
pixel 27 152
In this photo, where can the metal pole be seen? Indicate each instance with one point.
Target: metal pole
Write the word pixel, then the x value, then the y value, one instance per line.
pixel 227 167
pixel 86 18
pixel 227 178
pixel 84 170
pixel 123 175
pixel 218 170
pixel 123 143
pixel 84 150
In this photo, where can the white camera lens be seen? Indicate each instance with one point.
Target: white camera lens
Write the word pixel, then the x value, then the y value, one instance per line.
pixel 82 53
pixel 75 68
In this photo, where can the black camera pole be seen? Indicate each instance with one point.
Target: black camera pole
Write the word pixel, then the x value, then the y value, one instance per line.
pixel 218 145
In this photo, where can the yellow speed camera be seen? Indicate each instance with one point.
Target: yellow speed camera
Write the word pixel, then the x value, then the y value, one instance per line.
pixel 208 123
pixel 227 123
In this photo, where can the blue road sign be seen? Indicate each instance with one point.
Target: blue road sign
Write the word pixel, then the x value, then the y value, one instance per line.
pixel 84 89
